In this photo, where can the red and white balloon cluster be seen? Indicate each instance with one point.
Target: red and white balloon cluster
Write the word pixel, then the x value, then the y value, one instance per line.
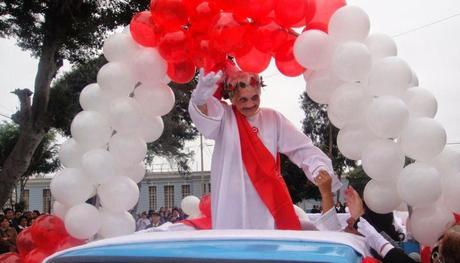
pixel 192 34
pixel 121 113
pixel 383 116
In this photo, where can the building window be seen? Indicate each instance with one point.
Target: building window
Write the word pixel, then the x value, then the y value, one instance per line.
pixel 206 188
pixel 185 190
pixel 153 198
pixel 46 201
pixel 25 198
pixel 169 196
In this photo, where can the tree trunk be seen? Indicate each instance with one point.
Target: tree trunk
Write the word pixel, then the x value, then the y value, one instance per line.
pixel 32 118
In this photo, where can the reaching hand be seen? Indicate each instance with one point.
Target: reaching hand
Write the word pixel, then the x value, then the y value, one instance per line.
pixel 206 87
pixel 354 202
pixel 324 182
pixel 373 238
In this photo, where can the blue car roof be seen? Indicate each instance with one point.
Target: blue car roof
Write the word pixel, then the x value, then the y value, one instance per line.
pixel 214 251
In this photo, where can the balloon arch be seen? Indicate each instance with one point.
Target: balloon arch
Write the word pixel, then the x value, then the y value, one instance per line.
pixel 372 96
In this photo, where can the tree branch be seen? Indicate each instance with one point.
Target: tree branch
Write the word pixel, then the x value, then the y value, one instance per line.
pixel 22 116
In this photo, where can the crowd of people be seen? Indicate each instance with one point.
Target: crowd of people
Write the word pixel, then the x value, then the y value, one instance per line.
pixel 154 218
pixel 11 224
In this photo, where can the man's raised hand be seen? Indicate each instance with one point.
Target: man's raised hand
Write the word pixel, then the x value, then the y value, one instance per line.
pixel 206 87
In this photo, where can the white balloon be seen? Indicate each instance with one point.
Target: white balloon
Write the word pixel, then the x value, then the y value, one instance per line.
pixel 116 79
pixel 349 23
pixel 383 160
pixel 120 47
pixel 421 102
pixel 98 165
pixel 321 84
pixel 119 194
pixel 59 210
pixel 389 76
pixel 313 49
pixel 347 104
pixel 70 154
pixel 419 184
pixel 126 115
pixel 447 162
pixel 387 116
pixel 136 172
pixel 90 129
pixel 149 66
pixel 423 139
pixel 151 129
pixel 450 192
pixel 127 150
pixel 381 197
pixel 381 46
pixel 116 224
pixel 427 224
pixel 155 99
pixel 191 206
pixel 92 98
pixel 82 221
pixel 353 138
pixel 351 61
pixel 70 187
pixel 414 80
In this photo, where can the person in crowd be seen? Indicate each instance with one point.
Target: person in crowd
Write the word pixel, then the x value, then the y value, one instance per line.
pixel 447 250
pixel 156 219
pixel 9 215
pixel 315 210
pixel 22 224
pixel 8 236
pixel 35 214
pixel 143 222
pixel 248 189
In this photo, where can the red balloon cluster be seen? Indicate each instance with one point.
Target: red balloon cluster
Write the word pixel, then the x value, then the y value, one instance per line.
pixel 191 34
pixel 46 236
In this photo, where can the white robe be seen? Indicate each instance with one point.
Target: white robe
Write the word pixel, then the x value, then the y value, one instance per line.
pixel 235 204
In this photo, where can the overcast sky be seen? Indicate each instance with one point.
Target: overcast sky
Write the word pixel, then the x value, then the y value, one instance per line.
pixel 426 33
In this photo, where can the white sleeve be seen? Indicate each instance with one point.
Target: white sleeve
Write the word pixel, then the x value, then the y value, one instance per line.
pixel 209 125
pixel 301 151
pixel 328 221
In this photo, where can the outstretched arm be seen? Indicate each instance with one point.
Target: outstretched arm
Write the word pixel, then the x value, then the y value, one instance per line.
pixel 206 87
pixel 324 183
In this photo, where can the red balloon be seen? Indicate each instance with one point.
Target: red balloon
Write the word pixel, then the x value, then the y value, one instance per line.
pixel 290 12
pixel 255 9
pixel 10 258
pixel 48 231
pixel 225 5
pixel 143 30
pixel 201 13
pixel 270 37
pixel 310 11
pixel 172 46
pixel 324 11
pixel 369 260
pixel 69 242
pixel 202 54
pixel 254 61
pixel 457 218
pixel 171 15
pixel 205 205
pixel 226 32
pixel 37 255
pixel 286 62
pixel 425 254
pixel 181 72
pixel 25 242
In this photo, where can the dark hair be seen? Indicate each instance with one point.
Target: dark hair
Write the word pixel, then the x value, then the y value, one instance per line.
pixel 450 246
pixel 7 209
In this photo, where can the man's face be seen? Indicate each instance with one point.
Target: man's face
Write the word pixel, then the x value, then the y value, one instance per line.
pixel 155 219
pixel 247 100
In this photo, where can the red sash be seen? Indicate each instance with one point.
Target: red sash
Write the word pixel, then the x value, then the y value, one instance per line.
pixel 265 175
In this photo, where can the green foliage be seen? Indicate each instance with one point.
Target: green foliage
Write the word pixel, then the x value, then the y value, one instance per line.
pixel 44 160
